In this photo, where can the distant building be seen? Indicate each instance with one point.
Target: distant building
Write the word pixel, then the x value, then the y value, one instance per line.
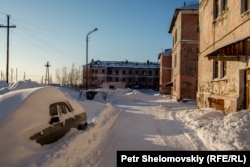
pixel 134 74
pixel 184 30
pixel 224 62
pixel 165 59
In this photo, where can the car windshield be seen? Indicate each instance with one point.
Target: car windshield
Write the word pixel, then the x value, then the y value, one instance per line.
pixel 59 108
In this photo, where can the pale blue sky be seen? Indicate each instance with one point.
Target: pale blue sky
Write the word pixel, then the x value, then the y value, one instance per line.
pixel 55 31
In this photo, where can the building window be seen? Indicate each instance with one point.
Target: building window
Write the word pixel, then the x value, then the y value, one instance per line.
pixel 117 72
pixel 216 8
pixel 198 27
pixel 156 72
pixel 215 69
pixel 224 68
pixel 110 72
pixel 223 5
pixel 175 60
pixel 245 5
pixel 103 71
pixel 219 69
pixel 175 39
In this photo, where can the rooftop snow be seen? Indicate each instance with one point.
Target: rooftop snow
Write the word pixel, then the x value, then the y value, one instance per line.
pixel 126 64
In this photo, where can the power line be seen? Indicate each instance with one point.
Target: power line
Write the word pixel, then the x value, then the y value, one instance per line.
pixel 45 31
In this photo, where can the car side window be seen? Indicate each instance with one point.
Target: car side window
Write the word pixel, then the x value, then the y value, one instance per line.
pixel 57 109
pixel 53 109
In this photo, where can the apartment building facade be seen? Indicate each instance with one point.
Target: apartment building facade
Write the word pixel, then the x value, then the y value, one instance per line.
pixel 224 64
pixel 134 74
pixel 184 30
pixel 165 59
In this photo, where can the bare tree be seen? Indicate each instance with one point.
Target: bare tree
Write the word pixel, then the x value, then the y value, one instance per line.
pixel 78 75
pixel 74 75
pixel 50 79
pixel 64 76
pixel 58 76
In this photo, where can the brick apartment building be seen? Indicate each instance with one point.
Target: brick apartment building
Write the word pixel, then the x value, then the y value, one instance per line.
pixel 184 30
pixel 165 60
pixel 224 62
pixel 134 74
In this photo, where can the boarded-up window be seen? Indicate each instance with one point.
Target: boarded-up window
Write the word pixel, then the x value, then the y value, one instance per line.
pixel 215 69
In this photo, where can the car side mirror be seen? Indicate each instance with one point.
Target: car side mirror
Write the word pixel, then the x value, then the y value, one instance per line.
pixel 54 120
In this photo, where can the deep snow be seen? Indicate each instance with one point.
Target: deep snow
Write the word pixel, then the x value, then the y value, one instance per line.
pixel 131 120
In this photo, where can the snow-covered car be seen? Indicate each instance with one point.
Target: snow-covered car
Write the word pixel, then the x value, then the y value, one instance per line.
pixel 61 121
pixel 43 114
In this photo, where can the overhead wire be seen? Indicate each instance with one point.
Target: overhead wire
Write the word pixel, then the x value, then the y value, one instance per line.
pixel 34 36
pixel 33 33
pixel 45 31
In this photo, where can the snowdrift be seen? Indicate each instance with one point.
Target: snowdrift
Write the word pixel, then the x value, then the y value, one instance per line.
pixel 23 114
pixel 217 130
pixel 23 85
pixel 120 96
pixel 4 87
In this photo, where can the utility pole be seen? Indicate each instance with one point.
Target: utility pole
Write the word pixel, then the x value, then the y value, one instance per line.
pixel 8 27
pixel 47 73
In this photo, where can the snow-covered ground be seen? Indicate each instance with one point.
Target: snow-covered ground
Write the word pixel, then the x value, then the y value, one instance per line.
pixel 132 120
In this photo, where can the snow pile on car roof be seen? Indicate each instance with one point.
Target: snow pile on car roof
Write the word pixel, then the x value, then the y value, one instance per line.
pixel 24 84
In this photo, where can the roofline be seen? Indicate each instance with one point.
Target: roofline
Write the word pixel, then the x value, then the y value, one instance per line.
pixel 167 52
pixel 176 13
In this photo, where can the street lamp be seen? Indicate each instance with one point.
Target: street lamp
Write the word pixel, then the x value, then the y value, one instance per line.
pixel 87 40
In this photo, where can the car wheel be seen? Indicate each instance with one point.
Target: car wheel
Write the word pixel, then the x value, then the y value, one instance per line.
pixel 82 126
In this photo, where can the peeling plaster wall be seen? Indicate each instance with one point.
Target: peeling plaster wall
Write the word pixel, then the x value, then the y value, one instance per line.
pixel 227 93
pixel 231 89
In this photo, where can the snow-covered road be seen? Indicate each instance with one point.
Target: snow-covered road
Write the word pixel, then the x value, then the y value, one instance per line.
pixel 144 126
pixel 134 120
